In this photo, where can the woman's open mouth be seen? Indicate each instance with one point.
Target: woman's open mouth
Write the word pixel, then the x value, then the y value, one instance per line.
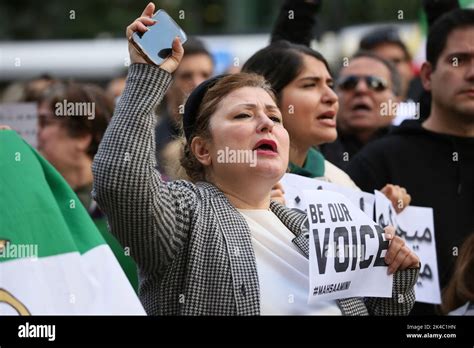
pixel 327 119
pixel 266 147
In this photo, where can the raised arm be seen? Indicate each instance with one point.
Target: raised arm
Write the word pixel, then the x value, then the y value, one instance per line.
pixel 147 215
pixel 296 26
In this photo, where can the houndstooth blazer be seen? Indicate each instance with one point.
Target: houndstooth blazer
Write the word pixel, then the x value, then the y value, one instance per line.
pixel 192 247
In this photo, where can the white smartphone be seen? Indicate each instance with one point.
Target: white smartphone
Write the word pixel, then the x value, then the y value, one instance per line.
pixel 155 44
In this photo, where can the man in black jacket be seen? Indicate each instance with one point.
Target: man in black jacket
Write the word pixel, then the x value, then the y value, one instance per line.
pixel 434 160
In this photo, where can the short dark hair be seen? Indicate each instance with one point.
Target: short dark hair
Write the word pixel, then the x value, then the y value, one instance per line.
pixel 280 63
pixel 394 74
pixel 442 27
pixel 194 46
pixel 383 35
pixel 76 92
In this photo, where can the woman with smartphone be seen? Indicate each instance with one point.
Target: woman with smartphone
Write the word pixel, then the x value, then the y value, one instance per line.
pixel 216 245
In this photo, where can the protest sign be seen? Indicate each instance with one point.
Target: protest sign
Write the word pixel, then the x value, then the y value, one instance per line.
pixel 22 118
pixel 295 184
pixel 347 250
pixel 416 226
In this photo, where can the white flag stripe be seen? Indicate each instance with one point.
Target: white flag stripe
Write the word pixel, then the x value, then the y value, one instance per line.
pixel 70 283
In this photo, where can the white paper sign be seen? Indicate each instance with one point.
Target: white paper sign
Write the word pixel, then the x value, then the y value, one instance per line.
pixel 385 214
pixel 415 225
pixel 295 184
pixel 346 251
pixel 21 117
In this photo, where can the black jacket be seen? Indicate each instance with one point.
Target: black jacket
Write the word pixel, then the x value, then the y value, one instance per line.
pixel 346 146
pixel 437 170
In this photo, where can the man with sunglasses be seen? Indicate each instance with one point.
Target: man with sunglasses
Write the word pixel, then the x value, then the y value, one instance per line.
pixel 386 43
pixel 434 160
pixel 368 89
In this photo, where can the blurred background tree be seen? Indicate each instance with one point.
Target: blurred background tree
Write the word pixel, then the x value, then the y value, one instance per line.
pixel 85 19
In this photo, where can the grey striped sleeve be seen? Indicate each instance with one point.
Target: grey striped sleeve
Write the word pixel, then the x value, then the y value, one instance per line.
pixel 147 215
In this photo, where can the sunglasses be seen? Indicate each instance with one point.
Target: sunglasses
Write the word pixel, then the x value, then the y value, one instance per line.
pixel 375 83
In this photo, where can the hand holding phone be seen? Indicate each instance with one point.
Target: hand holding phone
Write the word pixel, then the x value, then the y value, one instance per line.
pixel 140 25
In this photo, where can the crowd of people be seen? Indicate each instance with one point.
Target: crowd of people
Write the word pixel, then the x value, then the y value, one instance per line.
pixel 208 237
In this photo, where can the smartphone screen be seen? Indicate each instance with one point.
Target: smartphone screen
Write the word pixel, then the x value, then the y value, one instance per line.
pixel 156 42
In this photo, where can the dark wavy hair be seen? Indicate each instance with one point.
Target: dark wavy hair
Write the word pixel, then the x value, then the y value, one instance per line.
pixel 280 63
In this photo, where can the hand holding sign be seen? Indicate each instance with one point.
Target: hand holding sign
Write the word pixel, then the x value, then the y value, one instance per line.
pixel 399 256
pixel 398 196
pixel 278 193
pixel 415 226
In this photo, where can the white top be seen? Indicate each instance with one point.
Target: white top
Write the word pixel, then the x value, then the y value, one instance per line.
pixel 282 269
pixel 337 176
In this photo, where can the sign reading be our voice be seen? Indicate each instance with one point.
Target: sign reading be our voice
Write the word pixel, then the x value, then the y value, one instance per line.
pixel 414 224
pixel 347 250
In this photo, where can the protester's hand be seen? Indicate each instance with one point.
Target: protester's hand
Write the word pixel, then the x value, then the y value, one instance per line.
pixel 398 256
pixel 140 25
pixel 398 196
pixel 4 127
pixel 278 194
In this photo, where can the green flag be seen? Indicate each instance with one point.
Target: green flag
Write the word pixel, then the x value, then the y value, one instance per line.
pixel 53 260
